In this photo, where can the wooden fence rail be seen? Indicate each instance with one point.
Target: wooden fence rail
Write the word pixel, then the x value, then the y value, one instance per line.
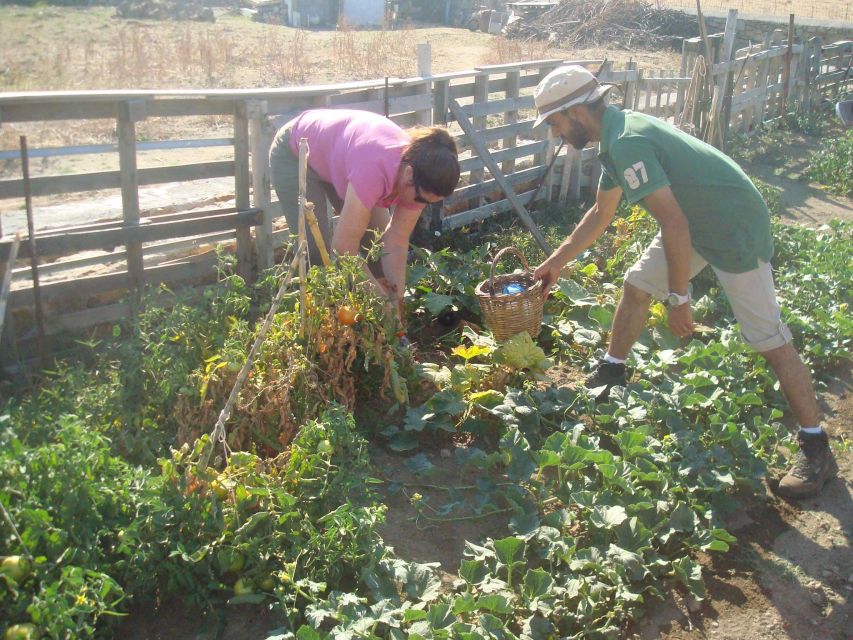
pixel 497 99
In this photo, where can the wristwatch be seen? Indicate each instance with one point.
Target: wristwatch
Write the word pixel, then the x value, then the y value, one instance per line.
pixel 676 299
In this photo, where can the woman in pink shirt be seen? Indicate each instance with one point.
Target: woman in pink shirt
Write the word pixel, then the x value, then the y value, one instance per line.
pixel 364 164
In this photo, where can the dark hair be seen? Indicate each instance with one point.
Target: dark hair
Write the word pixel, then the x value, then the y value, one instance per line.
pixel 596 105
pixel 433 156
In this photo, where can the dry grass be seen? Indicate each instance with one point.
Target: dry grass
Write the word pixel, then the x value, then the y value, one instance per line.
pixel 834 10
pixel 80 49
pixel 508 50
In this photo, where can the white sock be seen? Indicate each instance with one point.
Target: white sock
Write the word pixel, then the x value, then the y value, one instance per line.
pixel 812 431
pixel 612 360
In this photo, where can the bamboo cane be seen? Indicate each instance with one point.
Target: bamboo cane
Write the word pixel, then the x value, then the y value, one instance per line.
pixel 311 219
pixel 303 177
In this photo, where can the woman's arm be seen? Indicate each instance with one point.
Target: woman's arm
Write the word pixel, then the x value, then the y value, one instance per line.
pixel 395 250
pixel 351 226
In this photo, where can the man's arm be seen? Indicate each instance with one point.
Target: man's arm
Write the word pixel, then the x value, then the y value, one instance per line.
pixel 675 233
pixel 589 229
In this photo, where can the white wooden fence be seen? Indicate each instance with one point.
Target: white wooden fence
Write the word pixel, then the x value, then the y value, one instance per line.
pixel 498 99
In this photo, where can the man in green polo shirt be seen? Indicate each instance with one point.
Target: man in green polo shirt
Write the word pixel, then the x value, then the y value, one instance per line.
pixel 709 212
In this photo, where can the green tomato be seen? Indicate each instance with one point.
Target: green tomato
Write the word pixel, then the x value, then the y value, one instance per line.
pixel 325 447
pixel 231 560
pixel 267 583
pixel 26 631
pixel 242 588
pixel 16 567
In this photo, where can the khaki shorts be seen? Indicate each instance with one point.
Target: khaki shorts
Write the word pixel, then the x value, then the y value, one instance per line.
pixel 751 294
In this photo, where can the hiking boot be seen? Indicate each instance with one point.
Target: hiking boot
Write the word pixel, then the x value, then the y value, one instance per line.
pixel 813 466
pixel 607 375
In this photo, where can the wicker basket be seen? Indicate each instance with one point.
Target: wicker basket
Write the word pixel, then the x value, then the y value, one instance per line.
pixel 507 314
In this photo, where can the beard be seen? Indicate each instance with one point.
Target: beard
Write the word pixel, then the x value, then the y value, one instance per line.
pixel 578 139
pixel 578 136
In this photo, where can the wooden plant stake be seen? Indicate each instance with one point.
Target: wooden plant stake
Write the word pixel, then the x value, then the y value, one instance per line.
pixel 302 245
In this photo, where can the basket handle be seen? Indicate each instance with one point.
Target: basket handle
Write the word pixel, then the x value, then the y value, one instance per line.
pixel 497 257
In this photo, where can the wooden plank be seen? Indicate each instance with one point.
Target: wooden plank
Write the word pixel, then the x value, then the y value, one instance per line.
pixel 52 185
pixel 639 91
pixel 481 94
pixel 242 189
pixel 424 50
pixel 521 151
pixel 180 107
pixel 186 172
pixel 566 173
pixel 468 128
pixel 406 104
pixel 492 185
pixel 440 91
pixel 513 85
pixel 629 86
pixel 40 112
pixel 164 250
pixel 483 109
pixel 57 293
pixel 500 132
pixel 89 149
pixel 260 140
pixel 483 212
pixel 97 181
pixel 128 179
pixel 6 279
pixel 134 234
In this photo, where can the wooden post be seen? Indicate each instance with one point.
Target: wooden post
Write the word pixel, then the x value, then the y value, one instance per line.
pixel 129 113
pixel 481 94
pixel 716 134
pixel 242 189
pixel 260 140
pixel 629 86
pixel 513 86
pixel 788 54
pixel 425 71
pixel 28 200
pixel 440 92
pixel 6 279
pixel 483 151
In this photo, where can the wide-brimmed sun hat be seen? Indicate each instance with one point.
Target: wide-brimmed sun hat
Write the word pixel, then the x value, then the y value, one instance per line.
pixel 565 87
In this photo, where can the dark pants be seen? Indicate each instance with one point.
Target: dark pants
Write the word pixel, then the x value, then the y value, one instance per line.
pixel 284 169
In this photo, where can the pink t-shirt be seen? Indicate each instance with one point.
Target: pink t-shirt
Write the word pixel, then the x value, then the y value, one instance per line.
pixel 350 146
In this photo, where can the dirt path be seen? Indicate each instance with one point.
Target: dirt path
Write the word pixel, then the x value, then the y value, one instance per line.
pixel 791 574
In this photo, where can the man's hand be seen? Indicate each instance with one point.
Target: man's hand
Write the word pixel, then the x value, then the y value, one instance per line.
pixel 547 272
pixel 680 320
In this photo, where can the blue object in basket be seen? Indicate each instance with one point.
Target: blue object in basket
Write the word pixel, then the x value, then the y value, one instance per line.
pixel 514 287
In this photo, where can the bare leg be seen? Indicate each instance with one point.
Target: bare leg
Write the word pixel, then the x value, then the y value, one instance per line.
pixel 796 382
pixel 628 321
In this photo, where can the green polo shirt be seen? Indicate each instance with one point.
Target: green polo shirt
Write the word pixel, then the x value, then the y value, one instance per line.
pixel 729 221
